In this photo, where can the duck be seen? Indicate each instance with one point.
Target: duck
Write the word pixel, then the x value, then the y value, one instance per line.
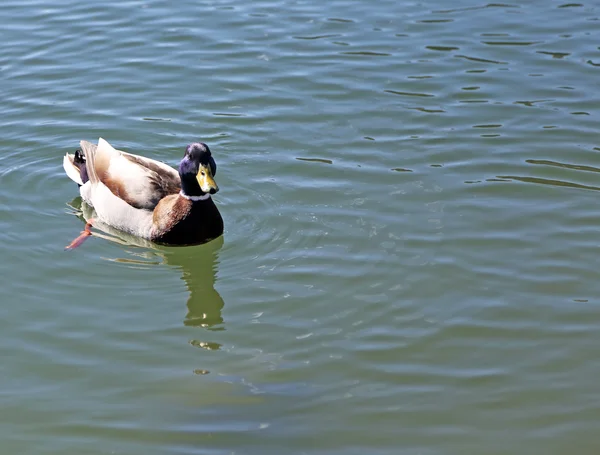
pixel 145 197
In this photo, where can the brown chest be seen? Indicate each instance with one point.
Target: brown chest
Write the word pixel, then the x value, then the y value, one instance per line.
pixel 190 223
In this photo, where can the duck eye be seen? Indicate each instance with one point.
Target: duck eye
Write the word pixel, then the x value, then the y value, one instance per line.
pixel 203 173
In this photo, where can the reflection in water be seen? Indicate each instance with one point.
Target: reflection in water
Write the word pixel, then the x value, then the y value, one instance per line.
pixel 576 167
pixel 316 160
pixel 396 92
pixel 552 182
pixel 198 271
pixel 197 265
pixel 481 60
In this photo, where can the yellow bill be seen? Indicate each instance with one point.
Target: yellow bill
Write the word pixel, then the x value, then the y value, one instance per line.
pixel 206 180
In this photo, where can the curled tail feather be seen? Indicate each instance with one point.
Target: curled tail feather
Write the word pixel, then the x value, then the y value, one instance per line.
pixel 72 169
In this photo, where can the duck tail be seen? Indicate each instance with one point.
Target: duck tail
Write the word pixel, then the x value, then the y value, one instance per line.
pixel 73 165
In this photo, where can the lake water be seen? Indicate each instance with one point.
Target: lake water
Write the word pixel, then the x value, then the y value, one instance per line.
pixel 411 207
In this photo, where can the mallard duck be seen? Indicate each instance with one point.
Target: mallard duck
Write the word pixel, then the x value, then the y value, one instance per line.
pixel 145 197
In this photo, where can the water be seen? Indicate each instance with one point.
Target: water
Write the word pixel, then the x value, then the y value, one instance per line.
pixel 409 262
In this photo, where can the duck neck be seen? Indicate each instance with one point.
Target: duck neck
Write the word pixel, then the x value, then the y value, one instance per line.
pixel 190 189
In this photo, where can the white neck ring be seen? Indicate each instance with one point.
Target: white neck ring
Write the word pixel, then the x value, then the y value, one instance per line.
pixel 204 197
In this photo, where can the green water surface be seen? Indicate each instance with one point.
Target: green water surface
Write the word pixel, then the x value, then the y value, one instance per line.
pixel 410 257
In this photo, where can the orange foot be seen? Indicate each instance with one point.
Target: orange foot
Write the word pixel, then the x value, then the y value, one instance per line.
pixel 82 237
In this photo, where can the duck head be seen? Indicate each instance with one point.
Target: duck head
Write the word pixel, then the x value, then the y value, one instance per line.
pixel 197 171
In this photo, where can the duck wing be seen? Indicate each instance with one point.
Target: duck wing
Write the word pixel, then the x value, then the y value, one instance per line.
pixel 139 181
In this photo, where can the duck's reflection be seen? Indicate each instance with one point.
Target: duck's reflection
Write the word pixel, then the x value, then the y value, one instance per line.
pixel 198 266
